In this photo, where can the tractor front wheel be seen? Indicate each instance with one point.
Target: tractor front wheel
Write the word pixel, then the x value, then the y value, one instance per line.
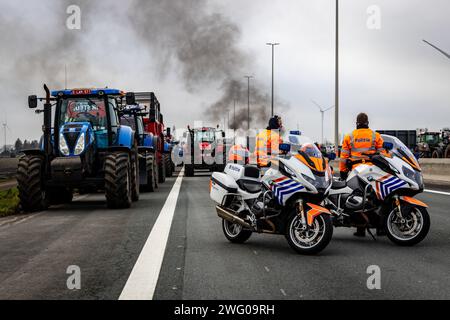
pixel 447 151
pixel 118 180
pixel 30 183
pixel 437 154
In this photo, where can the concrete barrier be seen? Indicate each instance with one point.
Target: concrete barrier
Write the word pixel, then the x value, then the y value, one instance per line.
pixel 435 171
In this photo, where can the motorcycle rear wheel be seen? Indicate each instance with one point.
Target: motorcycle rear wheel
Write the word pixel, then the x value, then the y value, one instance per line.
pixel 234 232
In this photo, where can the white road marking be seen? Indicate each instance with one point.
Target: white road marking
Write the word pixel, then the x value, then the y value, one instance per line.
pixel 438 192
pixel 283 292
pixel 15 220
pixel 143 279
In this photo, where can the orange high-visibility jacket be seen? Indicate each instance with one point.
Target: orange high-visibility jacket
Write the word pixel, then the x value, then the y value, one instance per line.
pixel 238 153
pixel 267 144
pixel 358 143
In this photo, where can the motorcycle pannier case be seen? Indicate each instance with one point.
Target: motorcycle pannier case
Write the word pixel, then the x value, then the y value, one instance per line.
pixel 221 185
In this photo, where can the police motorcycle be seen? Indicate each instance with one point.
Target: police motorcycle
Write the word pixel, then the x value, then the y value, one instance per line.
pixel 285 201
pixel 379 192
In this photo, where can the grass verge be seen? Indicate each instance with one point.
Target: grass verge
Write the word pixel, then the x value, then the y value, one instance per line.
pixel 9 202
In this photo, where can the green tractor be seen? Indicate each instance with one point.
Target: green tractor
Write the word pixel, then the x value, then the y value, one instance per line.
pixel 86 147
pixel 429 144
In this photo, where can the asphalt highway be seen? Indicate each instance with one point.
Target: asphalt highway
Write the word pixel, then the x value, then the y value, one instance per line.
pixel 175 249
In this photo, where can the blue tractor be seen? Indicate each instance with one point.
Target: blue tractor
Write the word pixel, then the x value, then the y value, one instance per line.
pixel 133 116
pixel 86 147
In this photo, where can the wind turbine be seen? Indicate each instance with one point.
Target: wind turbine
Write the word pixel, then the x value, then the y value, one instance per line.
pixel 5 127
pixel 322 111
pixel 438 49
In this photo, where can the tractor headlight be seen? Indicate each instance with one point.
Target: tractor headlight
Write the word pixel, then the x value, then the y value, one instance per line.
pixel 63 147
pixel 79 148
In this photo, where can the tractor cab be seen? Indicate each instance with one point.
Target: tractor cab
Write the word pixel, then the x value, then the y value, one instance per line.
pixel 86 118
pixel 133 116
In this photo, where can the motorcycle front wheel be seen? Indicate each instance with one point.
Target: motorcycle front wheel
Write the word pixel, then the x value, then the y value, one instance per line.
pixel 234 232
pixel 410 230
pixel 309 240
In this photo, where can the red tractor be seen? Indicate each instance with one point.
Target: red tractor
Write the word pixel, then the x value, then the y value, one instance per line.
pixel 154 124
pixel 205 149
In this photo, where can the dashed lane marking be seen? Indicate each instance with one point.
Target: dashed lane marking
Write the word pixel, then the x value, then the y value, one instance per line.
pixel 143 279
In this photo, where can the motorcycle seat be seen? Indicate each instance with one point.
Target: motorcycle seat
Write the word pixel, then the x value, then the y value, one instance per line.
pixel 250 186
pixel 338 184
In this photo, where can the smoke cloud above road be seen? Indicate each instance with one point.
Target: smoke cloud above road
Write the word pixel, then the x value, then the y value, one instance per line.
pixel 183 37
pixel 205 46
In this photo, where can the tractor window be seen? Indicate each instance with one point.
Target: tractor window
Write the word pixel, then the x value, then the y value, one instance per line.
pixel 90 110
pixel 430 138
pixel 140 126
pixel 128 121
pixel 112 111
pixel 205 136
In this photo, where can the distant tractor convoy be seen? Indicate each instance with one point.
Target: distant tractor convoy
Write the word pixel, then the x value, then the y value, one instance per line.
pixel 425 143
pixel 105 140
pixel 434 144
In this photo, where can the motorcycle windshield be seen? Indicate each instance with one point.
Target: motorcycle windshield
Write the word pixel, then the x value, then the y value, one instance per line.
pixel 306 152
pixel 400 150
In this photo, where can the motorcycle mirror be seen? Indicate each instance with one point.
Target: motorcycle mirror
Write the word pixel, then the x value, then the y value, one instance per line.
pixel 32 102
pixel 388 146
pixel 285 147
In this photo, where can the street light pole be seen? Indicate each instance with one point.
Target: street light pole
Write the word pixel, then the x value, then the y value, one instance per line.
pixel 248 100
pixel 234 119
pixel 248 110
pixel 273 74
pixel 336 120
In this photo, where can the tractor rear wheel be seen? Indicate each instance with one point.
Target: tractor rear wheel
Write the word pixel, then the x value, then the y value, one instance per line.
pixel 118 180
pixel 168 165
pixel 152 180
pixel 161 171
pixel 30 183
pixel 134 177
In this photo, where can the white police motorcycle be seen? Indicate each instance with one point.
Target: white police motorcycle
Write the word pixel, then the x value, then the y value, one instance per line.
pixel 285 201
pixel 378 193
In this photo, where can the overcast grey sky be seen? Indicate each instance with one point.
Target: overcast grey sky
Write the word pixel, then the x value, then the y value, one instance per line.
pixel 389 73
